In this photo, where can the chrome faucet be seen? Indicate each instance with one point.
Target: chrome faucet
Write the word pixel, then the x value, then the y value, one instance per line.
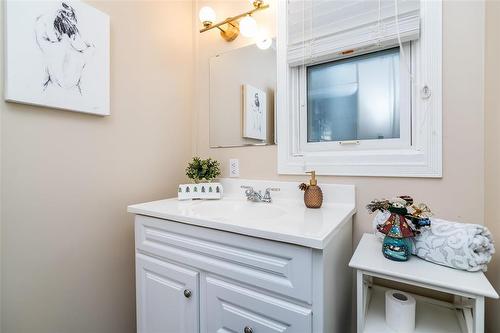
pixel 255 196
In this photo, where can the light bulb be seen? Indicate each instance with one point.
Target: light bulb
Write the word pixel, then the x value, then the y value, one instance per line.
pixel 263 40
pixel 207 15
pixel 248 27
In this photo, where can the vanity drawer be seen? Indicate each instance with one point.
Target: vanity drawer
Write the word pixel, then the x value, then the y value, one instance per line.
pixel 279 267
pixel 237 309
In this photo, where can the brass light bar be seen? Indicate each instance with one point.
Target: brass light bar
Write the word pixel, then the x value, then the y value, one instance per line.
pixel 230 20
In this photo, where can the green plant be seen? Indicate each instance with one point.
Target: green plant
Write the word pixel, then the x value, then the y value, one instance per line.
pixel 203 170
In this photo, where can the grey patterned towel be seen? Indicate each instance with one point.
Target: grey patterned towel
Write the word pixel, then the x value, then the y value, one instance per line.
pixel 458 245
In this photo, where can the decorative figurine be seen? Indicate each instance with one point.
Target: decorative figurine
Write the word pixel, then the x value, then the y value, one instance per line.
pixel 400 226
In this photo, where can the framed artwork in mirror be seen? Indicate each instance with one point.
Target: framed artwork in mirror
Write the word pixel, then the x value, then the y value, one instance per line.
pixel 254 113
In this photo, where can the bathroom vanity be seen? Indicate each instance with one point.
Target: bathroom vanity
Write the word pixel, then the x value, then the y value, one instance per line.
pixel 232 265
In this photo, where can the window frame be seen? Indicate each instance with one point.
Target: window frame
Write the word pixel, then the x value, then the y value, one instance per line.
pixel 422 158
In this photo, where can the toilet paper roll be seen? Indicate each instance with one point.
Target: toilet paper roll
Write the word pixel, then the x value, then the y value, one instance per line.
pixel 400 311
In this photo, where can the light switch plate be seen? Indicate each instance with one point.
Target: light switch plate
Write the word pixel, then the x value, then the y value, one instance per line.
pixel 234 167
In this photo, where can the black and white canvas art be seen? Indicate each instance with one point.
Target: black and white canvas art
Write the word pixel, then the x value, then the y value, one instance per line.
pixel 57 55
pixel 254 113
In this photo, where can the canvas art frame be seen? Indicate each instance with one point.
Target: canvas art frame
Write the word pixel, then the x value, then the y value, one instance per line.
pixel 254 112
pixel 57 55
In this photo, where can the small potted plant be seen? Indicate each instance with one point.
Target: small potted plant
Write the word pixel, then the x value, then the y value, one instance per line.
pixel 202 173
pixel 200 170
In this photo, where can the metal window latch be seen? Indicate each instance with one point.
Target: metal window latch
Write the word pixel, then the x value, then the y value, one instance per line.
pixel 425 92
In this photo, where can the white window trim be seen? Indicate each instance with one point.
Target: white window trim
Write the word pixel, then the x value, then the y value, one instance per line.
pixel 422 159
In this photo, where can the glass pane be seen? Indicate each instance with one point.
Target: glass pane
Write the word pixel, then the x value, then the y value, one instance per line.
pixel 354 99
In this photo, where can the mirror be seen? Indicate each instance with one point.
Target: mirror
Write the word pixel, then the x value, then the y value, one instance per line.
pixel 242 88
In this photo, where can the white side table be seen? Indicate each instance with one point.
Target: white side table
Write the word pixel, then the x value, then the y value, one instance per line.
pixel 465 314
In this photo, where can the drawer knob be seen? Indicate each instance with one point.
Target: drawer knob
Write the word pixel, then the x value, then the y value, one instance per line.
pixel 247 330
pixel 187 293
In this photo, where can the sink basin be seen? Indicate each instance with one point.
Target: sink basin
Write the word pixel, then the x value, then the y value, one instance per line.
pixel 222 209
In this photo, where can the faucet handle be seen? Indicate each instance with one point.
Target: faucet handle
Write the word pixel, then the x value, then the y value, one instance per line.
pixel 248 189
pixel 267 195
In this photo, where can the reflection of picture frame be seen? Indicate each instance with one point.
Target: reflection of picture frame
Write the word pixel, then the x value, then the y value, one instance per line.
pixel 57 55
pixel 254 113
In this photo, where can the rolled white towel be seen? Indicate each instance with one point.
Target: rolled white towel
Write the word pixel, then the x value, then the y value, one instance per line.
pixel 462 246
pixel 459 245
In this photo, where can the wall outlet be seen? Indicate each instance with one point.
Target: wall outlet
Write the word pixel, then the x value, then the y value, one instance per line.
pixel 234 167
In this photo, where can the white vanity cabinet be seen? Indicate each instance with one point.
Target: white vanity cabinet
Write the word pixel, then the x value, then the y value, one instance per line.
pixel 284 274
pixel 195 279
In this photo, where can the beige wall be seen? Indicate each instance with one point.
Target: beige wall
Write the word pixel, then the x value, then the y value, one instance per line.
pixel 492 150
pixel 459 194
pixel 67 242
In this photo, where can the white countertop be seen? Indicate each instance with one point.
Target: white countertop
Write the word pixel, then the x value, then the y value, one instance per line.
pixel 286 219
pixel 368 257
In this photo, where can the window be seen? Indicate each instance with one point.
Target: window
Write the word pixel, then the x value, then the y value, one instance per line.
pixel 360 95
pixel 354 99
pixel 357 101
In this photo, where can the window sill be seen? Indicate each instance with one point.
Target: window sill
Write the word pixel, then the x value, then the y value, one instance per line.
pixel 379 163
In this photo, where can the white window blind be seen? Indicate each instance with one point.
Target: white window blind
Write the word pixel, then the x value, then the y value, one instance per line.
pixel 320 30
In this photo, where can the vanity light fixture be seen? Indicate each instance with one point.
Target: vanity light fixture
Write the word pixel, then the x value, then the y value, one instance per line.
pixel 230 27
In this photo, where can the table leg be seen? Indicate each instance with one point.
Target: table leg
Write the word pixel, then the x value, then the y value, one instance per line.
pixel 360 298
pixel 479 315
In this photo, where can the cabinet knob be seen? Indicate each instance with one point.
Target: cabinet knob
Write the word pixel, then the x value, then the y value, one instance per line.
pixel 247 329
pixel 187 293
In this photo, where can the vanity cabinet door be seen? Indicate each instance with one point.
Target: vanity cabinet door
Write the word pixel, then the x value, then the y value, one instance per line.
pixel 167 297
pixel 233 308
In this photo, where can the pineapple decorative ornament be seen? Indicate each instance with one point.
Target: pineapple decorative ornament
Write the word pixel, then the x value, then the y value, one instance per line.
pixel 313 196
